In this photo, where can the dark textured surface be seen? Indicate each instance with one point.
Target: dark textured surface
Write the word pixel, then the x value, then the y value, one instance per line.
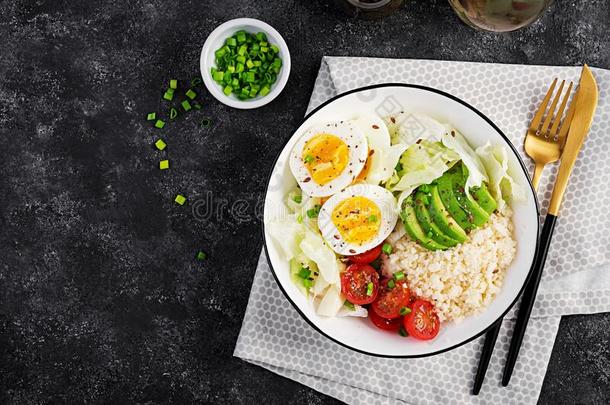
pixel 100 297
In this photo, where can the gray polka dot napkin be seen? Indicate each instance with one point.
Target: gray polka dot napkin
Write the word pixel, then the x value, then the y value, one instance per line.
pixel 576 278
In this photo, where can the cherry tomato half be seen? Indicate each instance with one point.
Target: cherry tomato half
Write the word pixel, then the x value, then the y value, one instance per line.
pixel 422 323
pixel 393 325
pixel 366 257
pixel 355 283
pixel 391 300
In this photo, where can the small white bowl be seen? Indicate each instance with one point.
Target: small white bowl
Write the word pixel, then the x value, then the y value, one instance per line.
pixel 217 39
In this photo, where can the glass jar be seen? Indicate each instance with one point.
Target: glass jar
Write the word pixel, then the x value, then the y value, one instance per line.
pixel 499 15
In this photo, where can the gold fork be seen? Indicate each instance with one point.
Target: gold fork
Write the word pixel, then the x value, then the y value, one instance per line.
pixel 544 142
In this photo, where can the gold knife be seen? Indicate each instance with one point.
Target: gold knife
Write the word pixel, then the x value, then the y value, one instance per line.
pixel 584 110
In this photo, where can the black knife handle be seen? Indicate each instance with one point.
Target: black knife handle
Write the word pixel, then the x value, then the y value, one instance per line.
pixel 529 296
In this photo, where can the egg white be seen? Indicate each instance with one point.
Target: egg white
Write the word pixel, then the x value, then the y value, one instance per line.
pixel 356 142
pixel 383 156
pixel 384 200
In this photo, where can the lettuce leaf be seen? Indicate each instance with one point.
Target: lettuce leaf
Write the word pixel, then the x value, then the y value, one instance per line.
pixel 287 235
pixel 502 185
pixel 314 247
pixel 422 163
pixel 455 141
pixel 331 303
pixel 407 128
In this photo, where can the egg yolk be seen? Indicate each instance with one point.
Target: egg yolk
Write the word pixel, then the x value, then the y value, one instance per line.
pixel 325 156
pixel 358 219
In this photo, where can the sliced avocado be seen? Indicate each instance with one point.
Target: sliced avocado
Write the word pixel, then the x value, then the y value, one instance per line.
pixel 483 197
pixel 414 230
pixel 422 201
pixel 445 190
pixel 479 215
pixel 442 218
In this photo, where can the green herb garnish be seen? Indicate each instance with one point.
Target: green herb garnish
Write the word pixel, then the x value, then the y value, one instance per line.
pixel 160 144
pixel 309 159
pixel 386 248
pixel 313 213
pixel 246 65
pixel 373 218
pixel 180 199
pixel 399 275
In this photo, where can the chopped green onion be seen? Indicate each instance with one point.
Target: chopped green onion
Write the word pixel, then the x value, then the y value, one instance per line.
pixel 313 213
pixel 196 81
pixel 309 159
pixel 191 94
pixel 197 106
pixel 246 59
pixel 399 275
pixel 160 124
pixel 304 272
pixel 391 284
pixel 386 248
pixel 164 164
pixel 398 167
pixel 173 84
pixel 160 144
pixel 201 255
pixel 173 113
pixel 300 219
pixel 169 94
pixel 206 122
pixel 180 199
pixel 402 331
pixel 297 199
pixel 369 289
pixel 307 283
pixel 349 305
pixel 151 116
pixel 218 76
pixel 405 311
pixel 373 218
pixel 186 105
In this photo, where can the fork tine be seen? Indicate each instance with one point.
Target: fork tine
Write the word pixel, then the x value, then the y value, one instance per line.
pixel 550 115
pixel 540 113
pixel 554 129
pixel 565 125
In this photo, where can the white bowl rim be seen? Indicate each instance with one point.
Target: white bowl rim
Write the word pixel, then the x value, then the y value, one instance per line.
pixel 521 165
pixel 214 89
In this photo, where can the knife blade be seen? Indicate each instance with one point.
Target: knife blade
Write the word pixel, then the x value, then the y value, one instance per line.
pixel 586 104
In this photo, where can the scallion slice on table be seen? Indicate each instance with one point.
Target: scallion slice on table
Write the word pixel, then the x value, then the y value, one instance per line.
pixel 180 199
pixel 246 65
pixel 186 105
pixel 173 84
pixel 173 113
pixel 151 116
pixel 159 124
pixel 164 164
pixel 191 94
pixel 169 94
pixel 201 255
pixel 160 144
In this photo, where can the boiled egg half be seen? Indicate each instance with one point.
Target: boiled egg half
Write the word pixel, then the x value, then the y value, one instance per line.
pixel 327 158
pixel 358 218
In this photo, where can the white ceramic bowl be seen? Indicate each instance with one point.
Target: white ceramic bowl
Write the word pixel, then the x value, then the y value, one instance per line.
pixel 217 39
pixel 358 333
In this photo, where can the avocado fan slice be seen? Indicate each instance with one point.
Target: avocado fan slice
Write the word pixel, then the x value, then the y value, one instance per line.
pixel 414 230
pixel 478 215
pixel 442 218
pixel 445 190
pixel 422 201
pixel 484 198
